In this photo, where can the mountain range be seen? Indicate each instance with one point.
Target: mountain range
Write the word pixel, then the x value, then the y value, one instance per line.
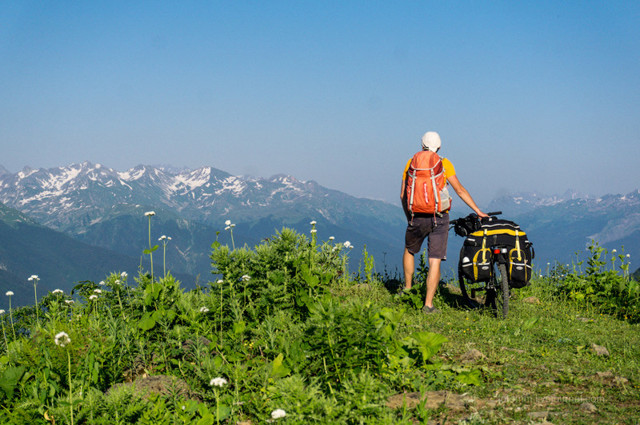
pixel 103 210
pixel 562 226
pixel 106 208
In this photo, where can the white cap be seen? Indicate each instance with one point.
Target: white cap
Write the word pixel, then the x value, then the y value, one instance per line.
pixel 431 141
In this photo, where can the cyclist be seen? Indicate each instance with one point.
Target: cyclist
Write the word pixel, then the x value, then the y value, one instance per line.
pixel 435 227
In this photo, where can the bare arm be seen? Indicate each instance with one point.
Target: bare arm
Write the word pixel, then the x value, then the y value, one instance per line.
pixel 464 195
pixel 403 201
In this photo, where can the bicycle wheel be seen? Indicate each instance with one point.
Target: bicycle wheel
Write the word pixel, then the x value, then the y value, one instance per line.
pixel 498 293
pixel 502 292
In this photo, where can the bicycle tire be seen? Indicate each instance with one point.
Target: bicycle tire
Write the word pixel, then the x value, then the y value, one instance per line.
pixel 502 299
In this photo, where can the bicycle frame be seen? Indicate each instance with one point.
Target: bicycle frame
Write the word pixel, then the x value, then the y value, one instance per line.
pixel 497 286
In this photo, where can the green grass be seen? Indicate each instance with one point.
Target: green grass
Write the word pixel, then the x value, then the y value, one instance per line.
pixel 540 359
pixel 288 329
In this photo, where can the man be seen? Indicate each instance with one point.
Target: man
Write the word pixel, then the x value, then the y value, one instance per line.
pixel 435 226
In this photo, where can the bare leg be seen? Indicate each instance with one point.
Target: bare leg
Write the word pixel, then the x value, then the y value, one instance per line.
pixel 408 263
pixel 432 280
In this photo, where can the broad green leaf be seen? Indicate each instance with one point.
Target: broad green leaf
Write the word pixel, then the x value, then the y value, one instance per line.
pixel 149 251
pixel 218 361
pixel 530 322
pixel 203 410
pixel 309 277
pixel 278 370
pixel 223 412
pixel 170 315
pixel 206 419
pixel 239 327
pixel 10 379
pixel 473 377
pixel 146 322
pixel 428 343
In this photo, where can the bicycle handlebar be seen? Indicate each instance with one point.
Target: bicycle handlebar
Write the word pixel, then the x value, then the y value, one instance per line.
pixel 473 216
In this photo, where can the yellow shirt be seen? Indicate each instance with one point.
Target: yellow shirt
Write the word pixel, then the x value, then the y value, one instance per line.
pixel 449 169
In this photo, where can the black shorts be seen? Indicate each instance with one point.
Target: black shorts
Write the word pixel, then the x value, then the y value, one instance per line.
pixel 435 228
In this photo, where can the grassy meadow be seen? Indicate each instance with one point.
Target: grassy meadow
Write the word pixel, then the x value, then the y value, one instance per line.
pixel 284 334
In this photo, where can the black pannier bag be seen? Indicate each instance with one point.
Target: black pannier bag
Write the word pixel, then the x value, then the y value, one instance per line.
pixel 497 232
pixel 475 261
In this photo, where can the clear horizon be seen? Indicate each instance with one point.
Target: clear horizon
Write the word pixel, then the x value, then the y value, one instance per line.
pixel 527 96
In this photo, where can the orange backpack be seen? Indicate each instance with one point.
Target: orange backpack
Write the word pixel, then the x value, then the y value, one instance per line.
pixel 425 189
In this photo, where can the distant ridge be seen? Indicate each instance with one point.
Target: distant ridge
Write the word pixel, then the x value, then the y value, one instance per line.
pixel 59 261
pixel 105 207
pixel 562 226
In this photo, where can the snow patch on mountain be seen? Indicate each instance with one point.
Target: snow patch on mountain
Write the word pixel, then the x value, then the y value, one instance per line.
pixel 26 173
pixel 58 181
pixel 232 184
pixel 191 180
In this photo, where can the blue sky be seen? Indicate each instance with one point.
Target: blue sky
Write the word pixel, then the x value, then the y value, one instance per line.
pixel 527 96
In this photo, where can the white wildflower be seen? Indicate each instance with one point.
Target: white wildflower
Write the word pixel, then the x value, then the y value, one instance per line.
pixel 33 277
pixel 628 255
pixel 1 311
pixel 69 301
pixel 97 291
pixel 116 282
pixel 204 310
pixel 124 275
pixel 613 251
pixel 227 228
pixel 93 297
pixel 57 291
pixel 149 213
pixel 313 223
pixel 220 281
pixel 163 237
pixel 347 244
pixel 9 293
pixel 62 339
pixel 218 382
pixel 313 230
pixel 278 413
pixel 332 238
pixel 227 223
pixel 246 277
pixel 101 283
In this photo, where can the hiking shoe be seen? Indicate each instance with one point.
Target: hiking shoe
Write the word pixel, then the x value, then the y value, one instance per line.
pixel 430 310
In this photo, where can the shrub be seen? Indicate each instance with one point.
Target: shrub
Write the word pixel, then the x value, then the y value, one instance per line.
pixel 608 288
